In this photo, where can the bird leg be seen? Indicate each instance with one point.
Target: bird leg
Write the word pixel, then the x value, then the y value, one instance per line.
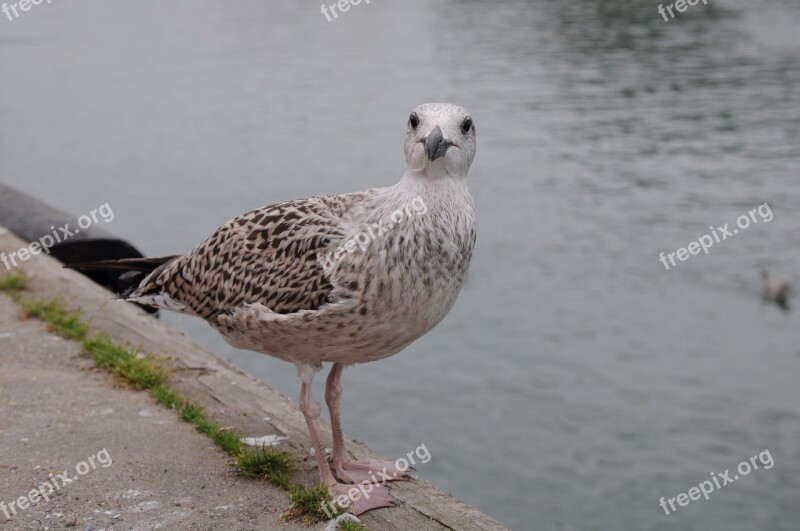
pixel 358 499
pixel 311 409
pixel 347 470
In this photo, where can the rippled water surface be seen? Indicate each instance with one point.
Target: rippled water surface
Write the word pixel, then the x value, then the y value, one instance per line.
pixel 577 381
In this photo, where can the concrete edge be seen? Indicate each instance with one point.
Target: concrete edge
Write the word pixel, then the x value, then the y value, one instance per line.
pixel 234 398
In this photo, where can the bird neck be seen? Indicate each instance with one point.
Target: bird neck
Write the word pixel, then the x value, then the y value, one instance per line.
pixel 439 193
pixel 430 179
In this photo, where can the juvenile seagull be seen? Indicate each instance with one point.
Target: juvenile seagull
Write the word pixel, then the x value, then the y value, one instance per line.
pixel 263 282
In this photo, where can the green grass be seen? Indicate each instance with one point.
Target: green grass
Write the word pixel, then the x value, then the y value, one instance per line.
pixel 348 525
pixel 145 372
pixel 141 371
pixel 309 503
pixel 60 320
pixel 268 463
pixel 13 284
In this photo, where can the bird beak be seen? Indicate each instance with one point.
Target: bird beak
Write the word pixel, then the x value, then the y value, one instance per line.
pixel 436 145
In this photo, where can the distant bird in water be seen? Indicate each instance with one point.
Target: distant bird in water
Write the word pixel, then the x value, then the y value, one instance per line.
pixel 775 291
pixel 302 281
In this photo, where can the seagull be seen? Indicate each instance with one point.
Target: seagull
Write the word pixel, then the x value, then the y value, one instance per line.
pixel 775 291
pixel 343 279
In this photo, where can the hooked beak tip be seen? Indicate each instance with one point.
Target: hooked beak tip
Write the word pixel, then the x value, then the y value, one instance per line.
pixel 435 144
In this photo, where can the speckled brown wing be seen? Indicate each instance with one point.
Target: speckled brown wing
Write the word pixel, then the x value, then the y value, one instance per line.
pixel 267 256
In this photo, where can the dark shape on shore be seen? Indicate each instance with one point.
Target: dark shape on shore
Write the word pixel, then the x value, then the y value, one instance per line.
pixel 31 219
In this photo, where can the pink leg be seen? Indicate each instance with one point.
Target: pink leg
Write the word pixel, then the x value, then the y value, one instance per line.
pixel 364 500
pixel 310 409
pixel 371 470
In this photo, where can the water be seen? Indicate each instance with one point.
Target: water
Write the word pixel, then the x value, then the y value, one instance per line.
pixel 577 381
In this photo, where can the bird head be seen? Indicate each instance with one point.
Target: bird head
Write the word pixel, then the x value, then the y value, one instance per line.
pixel 440 140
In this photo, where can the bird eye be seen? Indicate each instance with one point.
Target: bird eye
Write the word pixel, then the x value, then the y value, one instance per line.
pixel 413 120
pixel 466 126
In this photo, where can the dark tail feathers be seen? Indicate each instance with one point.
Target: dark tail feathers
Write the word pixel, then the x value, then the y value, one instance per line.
pixel 146 265
pixel 127 273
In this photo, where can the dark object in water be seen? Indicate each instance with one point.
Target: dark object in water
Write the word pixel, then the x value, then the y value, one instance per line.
pixel 775 291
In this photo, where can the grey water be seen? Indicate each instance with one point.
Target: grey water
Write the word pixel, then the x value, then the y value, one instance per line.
pixel 577 380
